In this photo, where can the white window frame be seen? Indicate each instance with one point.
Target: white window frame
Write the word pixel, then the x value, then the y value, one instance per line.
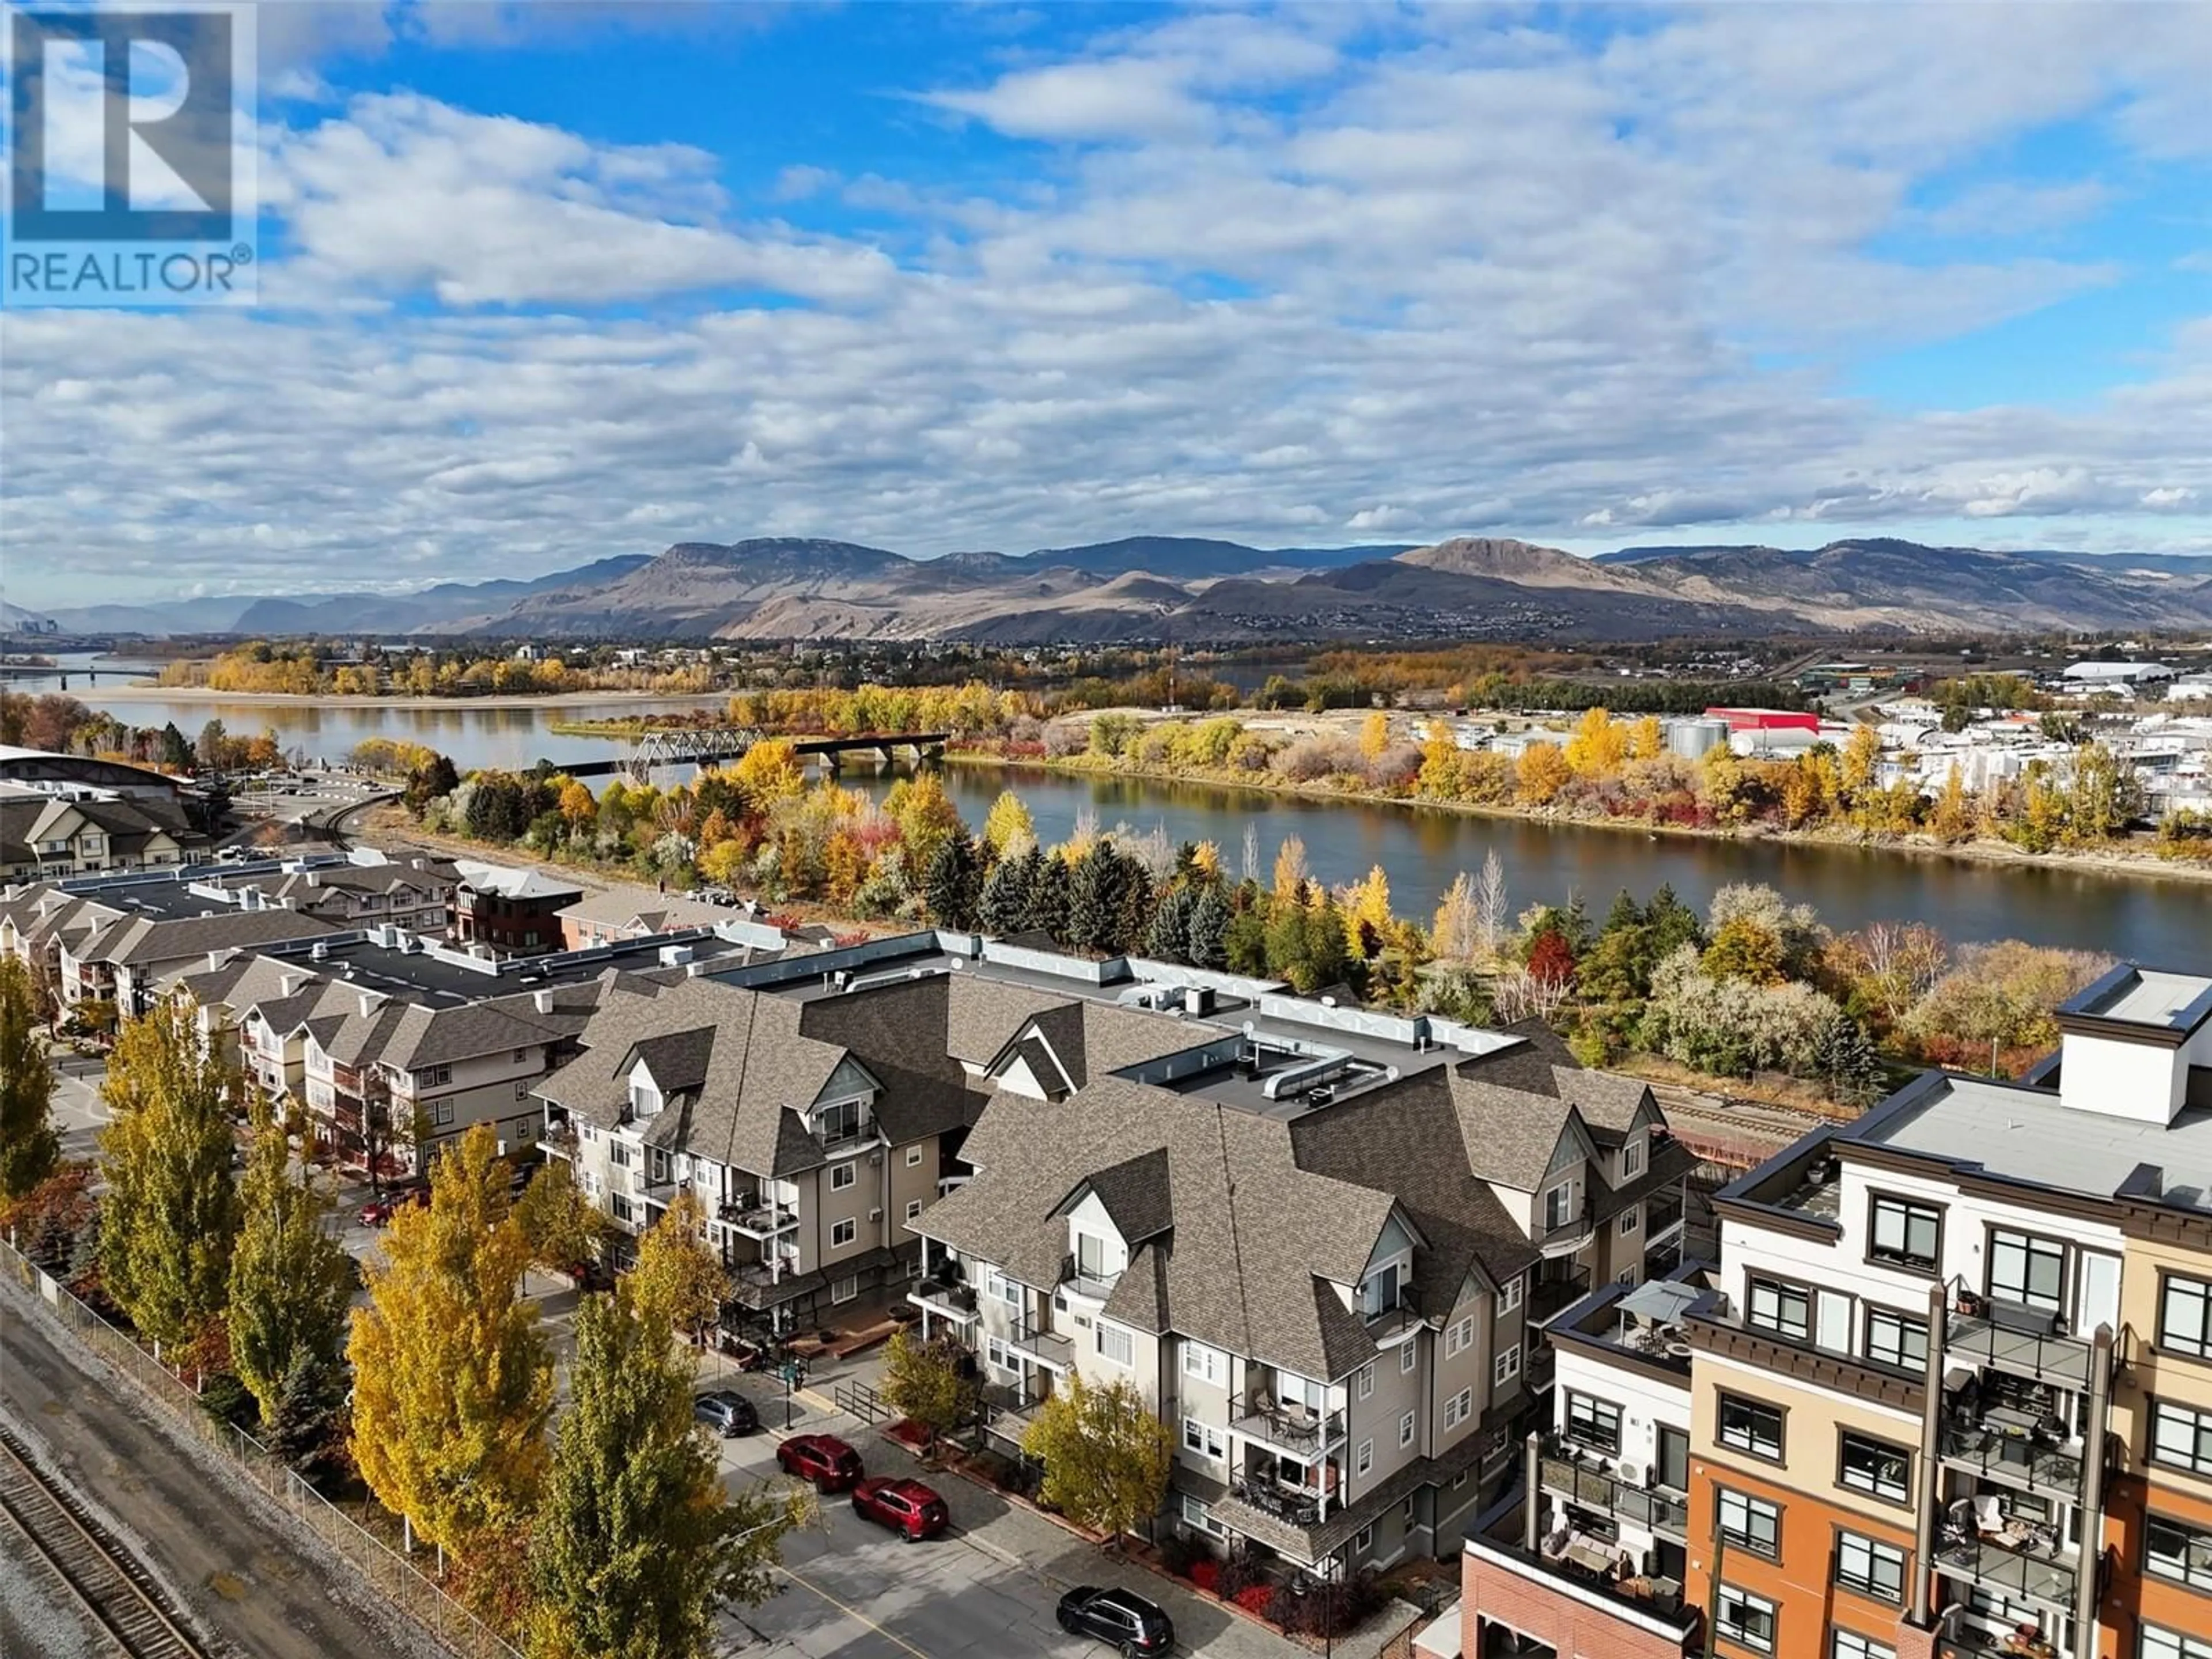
pixel 1458 1336
pixel 1195 1513
pixel 914 1156
pixel 850 1227
pixel 1628 1221
pixel 1407 1427
pixel 1202 1439
pixel 1508 1296
pixel 1362 1382
pixel 913 1209
pixel 1631 1159
pixel 1459 1408
pixel 1409 1356
pixel 1000 1288
pixel 1868 1555
pixel 845 1289
pixel 843 1176
pixel 1208 1364
pixel 1123 1339
pixel 1507 1367
pixel 1363 1459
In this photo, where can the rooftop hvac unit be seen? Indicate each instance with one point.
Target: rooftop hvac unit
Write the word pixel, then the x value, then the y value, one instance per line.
pixel 675 955
pixel 1198 999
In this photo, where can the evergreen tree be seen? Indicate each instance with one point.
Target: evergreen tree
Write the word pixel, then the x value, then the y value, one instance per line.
pixel 452 1383
pixel 30 1150
pixel 170 1214
pixel 1045 879
pixel 1167 938
pixel 1844 1059
pixel 1672 924
pixel 303 1425
pixel 953 887
pixel 1093 895
pixel 291 1281
pixel 1003 908
pixel 1134 901
pixel 1207 931
pixel 637 1543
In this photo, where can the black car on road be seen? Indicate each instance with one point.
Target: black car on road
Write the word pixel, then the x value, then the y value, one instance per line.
pixel 727 1413
pixel 1123 1619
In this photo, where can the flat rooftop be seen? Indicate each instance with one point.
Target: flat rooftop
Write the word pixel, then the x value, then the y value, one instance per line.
pixel 2154 997
pixel 2024 1134
pixel 1368 1045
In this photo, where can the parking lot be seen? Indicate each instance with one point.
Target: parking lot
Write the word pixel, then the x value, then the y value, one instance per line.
pixel 987 1590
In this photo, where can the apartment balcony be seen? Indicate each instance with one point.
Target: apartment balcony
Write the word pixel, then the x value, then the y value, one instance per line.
pixel 849 1140
pixel 559 1140
pixel 1008 1411
pixel 1550 1295
pixel 1558 1596
pixel 2024 1342
pixel 1585 1480
pixel 956 1303
pixel 1567 1234
pixel 755 1220
pixel 2030 1573
pixel 1048 1348
pixel 1295 1432
pixel 2021 1461
pixel 1091 1286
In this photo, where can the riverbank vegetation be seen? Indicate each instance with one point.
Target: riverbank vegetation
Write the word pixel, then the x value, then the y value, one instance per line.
pixel 1607 768
pixel 313 669
pixel 1753 985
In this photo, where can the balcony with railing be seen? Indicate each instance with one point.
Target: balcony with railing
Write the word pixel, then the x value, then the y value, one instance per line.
pixel 2030 1573
pixel 2027 1462
pixel 1296 1432
pixel 1566 1587
pixel 1086 1281
pixel 1045 1346
pixel 2026 1342
pixel 558 1139
pixel 947 1299
pixel 1585 1480
pixel 1568 1232
pixel 756 1218
pixel 1553 1293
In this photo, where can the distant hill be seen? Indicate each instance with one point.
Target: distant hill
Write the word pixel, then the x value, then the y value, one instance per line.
pixel 1153 588
pixel 446 604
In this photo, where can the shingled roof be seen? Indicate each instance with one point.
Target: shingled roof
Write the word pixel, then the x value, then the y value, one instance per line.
pixel 754 1070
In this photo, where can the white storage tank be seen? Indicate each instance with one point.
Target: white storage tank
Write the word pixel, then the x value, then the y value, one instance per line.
pixel 1696 737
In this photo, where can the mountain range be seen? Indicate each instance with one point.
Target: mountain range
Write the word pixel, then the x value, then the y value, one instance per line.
pixel 1194 590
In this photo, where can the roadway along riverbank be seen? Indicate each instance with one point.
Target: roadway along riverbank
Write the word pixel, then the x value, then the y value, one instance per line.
pixel 249 1582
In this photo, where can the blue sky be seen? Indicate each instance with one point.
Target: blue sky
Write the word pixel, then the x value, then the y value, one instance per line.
pixel 544 284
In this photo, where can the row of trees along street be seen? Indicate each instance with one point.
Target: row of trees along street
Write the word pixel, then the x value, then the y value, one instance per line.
pixel 602 1531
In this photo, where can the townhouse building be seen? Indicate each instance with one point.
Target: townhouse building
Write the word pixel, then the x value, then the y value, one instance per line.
pixel 813 1128
pixel 128 960
pixel 50 836
pixel 412 895
pixel 1311 1239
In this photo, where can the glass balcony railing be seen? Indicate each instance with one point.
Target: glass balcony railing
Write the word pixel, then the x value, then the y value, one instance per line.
pixel 1585 1480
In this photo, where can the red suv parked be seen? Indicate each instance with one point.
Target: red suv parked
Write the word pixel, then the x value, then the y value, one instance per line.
pixel 907 1507
pixel 378 1212
pixel 825 1459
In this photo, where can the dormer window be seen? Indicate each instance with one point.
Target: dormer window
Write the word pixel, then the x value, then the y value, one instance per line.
pixel 1379 1293
pixel 1631 1160
pixel 644 1098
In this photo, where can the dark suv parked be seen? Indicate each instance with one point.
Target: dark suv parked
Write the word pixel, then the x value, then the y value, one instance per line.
pixel 1122 1618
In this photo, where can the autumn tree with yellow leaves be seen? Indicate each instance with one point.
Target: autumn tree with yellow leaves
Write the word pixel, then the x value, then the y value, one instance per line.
pixel 453 1384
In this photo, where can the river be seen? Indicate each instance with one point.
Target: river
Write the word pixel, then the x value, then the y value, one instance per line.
pixel 2165 922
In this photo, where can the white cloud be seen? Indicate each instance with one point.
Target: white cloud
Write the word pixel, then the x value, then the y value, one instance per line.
pixel 1492 279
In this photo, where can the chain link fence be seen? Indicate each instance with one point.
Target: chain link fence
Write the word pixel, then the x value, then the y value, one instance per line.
pixel 390 1574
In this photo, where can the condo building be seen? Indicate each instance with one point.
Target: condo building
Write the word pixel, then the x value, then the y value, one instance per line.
pixel 1949 1390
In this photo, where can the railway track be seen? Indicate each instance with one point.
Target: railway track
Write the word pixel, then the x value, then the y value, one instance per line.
pixel 118 1593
